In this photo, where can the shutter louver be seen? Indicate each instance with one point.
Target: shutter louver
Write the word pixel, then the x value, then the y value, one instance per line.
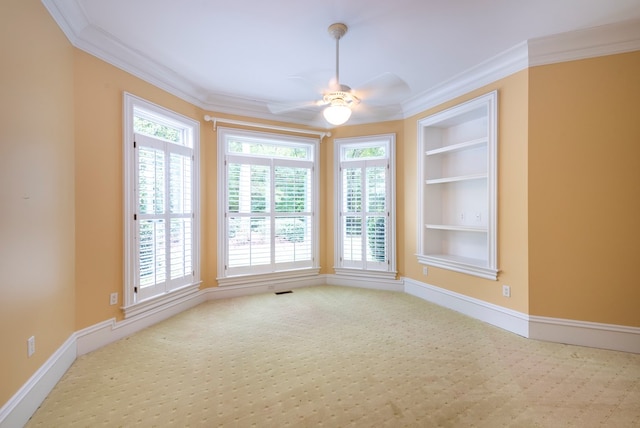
pixel 165 216
pixel 268 208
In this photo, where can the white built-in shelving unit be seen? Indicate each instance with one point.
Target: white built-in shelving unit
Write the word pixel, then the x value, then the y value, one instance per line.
pixel 457 166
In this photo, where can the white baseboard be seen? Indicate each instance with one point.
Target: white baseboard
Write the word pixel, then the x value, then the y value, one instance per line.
pixel 101 334
pixel 583 333
pixel 257 287
pixel 507 319
pixel 17 411
pixel 365 282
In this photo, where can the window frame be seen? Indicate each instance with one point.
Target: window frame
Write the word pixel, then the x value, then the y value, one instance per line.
pixel 191 128
pixel 295 272
pixel 340 146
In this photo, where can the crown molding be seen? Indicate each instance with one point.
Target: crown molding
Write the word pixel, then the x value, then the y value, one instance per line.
pixel 586 43
pixel 498 67
pixel 592 42
pixel 69 16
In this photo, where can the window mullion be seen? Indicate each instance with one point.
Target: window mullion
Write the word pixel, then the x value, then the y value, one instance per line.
pixel 272 213
pixel 167 216
pixel 364 212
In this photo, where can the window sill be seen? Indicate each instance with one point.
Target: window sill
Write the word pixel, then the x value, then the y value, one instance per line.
pixel 268 278
pixel 158 303
pixel 364 274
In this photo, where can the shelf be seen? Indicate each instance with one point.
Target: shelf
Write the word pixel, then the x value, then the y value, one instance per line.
pixel 458 200
pixel 458 178
pixel 456 147
pixel 457 228
pixel 476 267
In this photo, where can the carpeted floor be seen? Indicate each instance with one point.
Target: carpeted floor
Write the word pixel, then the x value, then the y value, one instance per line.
pixel 340 357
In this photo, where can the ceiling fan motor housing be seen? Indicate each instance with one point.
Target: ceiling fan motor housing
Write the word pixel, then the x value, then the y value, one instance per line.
pixel 342 97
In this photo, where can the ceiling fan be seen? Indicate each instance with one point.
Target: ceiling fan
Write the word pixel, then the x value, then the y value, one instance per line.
pixel 340 100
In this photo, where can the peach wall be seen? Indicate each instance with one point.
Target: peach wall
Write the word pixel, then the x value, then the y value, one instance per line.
pixel 99 91
pixel 584 190
pixel 512 201
pixel 36 190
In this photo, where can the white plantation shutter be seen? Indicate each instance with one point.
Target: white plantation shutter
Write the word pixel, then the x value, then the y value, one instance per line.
pixel 364 214
pixel 268 183
pixel 269 215
pixel 249 234
pixel 376 214
pixel 365 236
pixel 352 232
pixel 181 217
pixel 164 216
pixel 292 206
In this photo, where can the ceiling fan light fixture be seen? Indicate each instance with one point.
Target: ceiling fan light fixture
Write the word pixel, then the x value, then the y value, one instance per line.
pixel 337 113
pixel 339 106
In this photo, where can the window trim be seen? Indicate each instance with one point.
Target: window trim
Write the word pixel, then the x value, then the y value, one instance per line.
pixel 130 307
pixel 224 133
pixel 339 143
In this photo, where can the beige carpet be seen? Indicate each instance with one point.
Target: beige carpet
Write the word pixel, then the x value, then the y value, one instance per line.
pixel 340 357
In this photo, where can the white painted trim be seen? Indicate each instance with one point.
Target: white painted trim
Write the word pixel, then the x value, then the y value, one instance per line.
pixel 17 411
pixel 224 134
pixel 272 278
pixel 371 275
pixel 500 66
pixel 584 333
pixel 592 42
pixel 106 332
pixel 586 43
pixel 130 204
pixel 159 303
pixel 363 281
pixel 389 141
pixel 488 266
pixel 557 330
pixel 250 288
pixel 507 319
pixel 581 44
pixel 216 120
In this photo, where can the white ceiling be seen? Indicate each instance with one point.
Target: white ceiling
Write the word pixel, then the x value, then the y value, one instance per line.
pixel 239 56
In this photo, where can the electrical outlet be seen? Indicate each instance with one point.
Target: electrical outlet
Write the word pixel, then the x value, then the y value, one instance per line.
pixel 506 291
pixel 113 299
pixel 31 346
pixel 425 270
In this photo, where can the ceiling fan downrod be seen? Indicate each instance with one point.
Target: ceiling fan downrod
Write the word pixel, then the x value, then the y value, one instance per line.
pixel 337 30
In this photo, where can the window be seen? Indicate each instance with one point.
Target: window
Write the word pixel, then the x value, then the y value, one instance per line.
pixel 161 203
pixel 268 186
pixel 365 205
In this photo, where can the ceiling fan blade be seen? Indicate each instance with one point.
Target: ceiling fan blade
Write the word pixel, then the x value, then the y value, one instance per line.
pixel 284 107
pixel 387 88
pixel 379 112
pixel 313 80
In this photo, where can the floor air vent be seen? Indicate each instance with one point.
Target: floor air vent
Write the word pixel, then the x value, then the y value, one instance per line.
pixel 283 292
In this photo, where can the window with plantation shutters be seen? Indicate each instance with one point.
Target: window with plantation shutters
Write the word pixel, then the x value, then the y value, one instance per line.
pixel 165 216
pixel 161 248
pixel 365 232
pixel 269 185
